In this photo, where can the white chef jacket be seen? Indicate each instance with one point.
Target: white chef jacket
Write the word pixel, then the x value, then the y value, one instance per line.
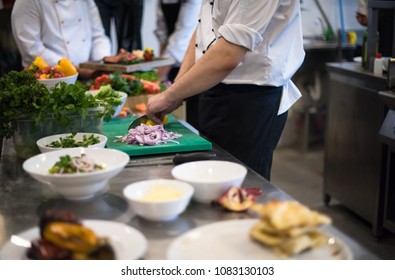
pixel 178 41
pixel 271 30
pixel 54 29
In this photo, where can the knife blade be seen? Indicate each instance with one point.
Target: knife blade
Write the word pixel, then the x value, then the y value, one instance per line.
pixel 138 121
pixel 176 159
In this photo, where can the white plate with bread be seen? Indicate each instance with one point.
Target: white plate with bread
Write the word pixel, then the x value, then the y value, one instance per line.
pixel 284 230
pixel 230 240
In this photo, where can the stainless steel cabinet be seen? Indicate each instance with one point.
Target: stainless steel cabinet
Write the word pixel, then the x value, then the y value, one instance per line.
pixel 353 152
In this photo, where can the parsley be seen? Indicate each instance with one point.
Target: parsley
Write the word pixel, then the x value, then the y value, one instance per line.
pixel 70 141
pixel 22 96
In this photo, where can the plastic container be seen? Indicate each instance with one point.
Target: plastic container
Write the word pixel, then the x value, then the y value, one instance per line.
pixel 378 65
pixel 26 133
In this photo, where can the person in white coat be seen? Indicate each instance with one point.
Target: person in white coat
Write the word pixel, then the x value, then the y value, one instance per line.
pixel 54 29
pixel 176 22
pixel 240 62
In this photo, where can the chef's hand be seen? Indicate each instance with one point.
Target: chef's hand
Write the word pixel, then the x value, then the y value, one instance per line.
pixel 160 105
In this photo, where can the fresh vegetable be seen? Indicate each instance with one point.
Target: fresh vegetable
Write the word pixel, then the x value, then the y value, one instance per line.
pixel 118 83
pixel 48 73
pixel 165 121
pixel 70 141
pixel 39 63
pixel 22 96
pixel 148 54
pixel 149 135
pixel 66 67
pixel 148 87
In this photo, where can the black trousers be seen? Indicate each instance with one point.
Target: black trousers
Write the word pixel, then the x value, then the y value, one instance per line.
pixel 243 120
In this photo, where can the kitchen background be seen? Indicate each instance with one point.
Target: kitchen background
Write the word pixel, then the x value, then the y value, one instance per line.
pixel 311 18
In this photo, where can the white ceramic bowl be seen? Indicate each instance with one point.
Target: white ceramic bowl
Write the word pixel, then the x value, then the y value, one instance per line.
pixel 79 185
pixel 43 142
pixel 118 108
pixel 152 209
pixel 210 178
pixel 50 83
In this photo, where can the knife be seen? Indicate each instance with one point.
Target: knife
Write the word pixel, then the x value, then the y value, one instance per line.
pixel 176 159
pixel 138 121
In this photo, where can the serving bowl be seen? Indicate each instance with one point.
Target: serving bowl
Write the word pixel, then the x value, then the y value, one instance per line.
pixel 77 186
pixel 43 142
pixel 50 83
pixel 210 178
pixel 159 199
pixel 123 97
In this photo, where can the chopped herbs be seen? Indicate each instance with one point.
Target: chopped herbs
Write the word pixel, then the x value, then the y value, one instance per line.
pixel 71 142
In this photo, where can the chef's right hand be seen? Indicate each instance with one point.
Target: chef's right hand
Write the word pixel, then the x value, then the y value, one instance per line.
pixel 160 105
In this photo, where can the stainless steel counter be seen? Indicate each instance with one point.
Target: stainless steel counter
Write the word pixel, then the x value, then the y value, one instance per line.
pixel 22 200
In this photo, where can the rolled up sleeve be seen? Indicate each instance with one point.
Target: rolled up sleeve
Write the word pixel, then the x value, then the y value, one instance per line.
pixel 243 25
pixel 241 35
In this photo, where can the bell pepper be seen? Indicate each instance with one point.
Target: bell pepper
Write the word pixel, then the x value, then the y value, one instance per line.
pixel 38 62
pixel 66 67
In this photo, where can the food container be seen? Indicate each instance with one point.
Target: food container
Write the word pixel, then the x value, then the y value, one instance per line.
pixel 26 133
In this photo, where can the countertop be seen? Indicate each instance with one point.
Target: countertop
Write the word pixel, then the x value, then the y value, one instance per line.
pixel 22 200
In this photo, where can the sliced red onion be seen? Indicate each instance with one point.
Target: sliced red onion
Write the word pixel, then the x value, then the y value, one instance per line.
pixel 149 135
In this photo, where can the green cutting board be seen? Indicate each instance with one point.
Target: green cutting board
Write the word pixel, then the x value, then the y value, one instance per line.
pixel 189 141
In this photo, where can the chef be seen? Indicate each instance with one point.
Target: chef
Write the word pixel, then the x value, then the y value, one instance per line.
pixel 54 29
pixel 240 61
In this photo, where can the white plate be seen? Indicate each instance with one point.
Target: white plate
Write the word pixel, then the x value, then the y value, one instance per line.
pixel 128 243
pixel 230 240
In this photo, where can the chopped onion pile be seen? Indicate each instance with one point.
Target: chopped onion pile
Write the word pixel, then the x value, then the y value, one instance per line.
pixel 149 135
pixel 68 165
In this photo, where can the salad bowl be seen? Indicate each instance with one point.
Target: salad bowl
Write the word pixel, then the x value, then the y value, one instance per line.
pixel 82 184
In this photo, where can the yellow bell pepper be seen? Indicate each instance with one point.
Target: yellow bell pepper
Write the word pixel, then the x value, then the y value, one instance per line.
pixel 66 67
pixel 165 121
pixel 38 62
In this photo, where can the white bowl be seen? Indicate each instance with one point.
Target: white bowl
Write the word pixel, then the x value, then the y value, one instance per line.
pixel 165 209
pixel 210 178
pixel 77 186
pixel 118 108
pixel 43 142
pixel 50 83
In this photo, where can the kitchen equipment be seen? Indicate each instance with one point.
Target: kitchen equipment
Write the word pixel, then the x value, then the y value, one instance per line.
pixel 177 159
pixel 387 137
pixel 138 121
pixel 188 142
pixel 159 199
pixel 210 178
